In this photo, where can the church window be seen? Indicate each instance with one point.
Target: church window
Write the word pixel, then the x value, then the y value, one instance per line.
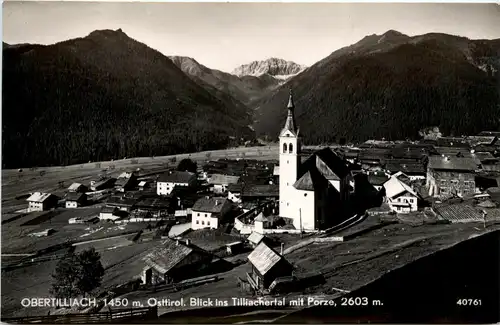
pixel 305 194
pixel 284 147
pixel 290 148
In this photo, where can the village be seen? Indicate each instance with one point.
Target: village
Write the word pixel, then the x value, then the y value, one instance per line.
pixel 250 225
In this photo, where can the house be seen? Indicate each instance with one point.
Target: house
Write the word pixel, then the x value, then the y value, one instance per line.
pixel 39 201
pixel 77 187
pixel 174 261
pixel 125 182
pixel 220 182
pixel 261 222
pixel 109 213
pixel 209 212
pixel 121 202
pixel 459 213
pixel 75 200
pixel 267 266
pixel 234 192
pixel 400 197
pixel 377 180
pixel 102 184
pixel 166 182
pixel 451 176
pixel 155 205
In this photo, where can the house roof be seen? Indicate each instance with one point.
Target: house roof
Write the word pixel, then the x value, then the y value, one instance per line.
pixel 377 179
pixel 452 142
pixel 452 163
pixel 410 167
pixel 168 255
pixel 211 204
pixel 177 177
pixel 305 183
pixel 125 175
pixel 394 187
pixel 142 183
pixel 121 201
pixel 74 186
pixel 223 179
pixel 108 209
pixel 254 190
pixel 235 188
pixel 264 258
pixel 255 237
pixel 261 218
pixel 73 196
pixel 122 181
pixel 153 202
pixel 38 197
pixel 459 212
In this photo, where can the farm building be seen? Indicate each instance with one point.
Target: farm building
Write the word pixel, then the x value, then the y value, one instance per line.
pixel 121 202
pixel 109 213
pixel 261 222
pixel 400 197
pixel 155 205
pixel 234 248
pixel 39 201
pixel 259 192
pixel 125 182
pixel 166 182
pixel 143 185
pixel 220 182
pixel 207 212
pixel 267 266
pixel 174 261
pixel 414 169
pixel 255 239
pixel 77 187
pixel 451 176
pixel 75 200
pixel 102 184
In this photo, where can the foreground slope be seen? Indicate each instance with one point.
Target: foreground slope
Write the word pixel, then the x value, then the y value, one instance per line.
pixel 392 85
pixel 106 96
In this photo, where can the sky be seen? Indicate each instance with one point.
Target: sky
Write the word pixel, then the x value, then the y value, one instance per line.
pixel 225 35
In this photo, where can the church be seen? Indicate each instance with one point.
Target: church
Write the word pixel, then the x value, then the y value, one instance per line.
pixel 312 193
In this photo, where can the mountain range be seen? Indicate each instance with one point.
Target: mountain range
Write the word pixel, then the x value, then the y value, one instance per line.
pixel 106 96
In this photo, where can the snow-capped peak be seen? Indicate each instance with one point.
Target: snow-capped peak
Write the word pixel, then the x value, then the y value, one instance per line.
pixel 278 68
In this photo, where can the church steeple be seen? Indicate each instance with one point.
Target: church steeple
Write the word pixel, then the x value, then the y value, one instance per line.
pixel 290 124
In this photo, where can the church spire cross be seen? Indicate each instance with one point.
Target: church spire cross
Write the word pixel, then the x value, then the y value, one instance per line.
pixel 290 100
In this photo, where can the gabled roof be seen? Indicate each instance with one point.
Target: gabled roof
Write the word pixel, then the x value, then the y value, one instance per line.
pixel 74 187
pixel 251 190
pixel 177 177
pixel 38 197
pixel 223 179
pixel 411 167
pixel 261 218
pixel 73 196
pixel 394 187
pixel 322 165
pixel 255 238
pixel 264 258
pixel 212 204
pixel 168 255
pixel 121 201
pixel 108 209
pixel 235 188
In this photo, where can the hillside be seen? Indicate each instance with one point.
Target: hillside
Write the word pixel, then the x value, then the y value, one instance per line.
pixel 390 86
pixel 244 89
pixel 107 96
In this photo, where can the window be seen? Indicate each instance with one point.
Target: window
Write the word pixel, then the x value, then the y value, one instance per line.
pixel 284 147
pixel 305 194
pixel 208 223
pixel 398 208
pixel 411 200
pixel 198 214
pixel 203 223
pixel 197 222
pixel 287 204
pixel 290 148
pixel 206 215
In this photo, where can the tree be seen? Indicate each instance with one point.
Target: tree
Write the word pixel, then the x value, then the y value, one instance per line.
pixel 187 165
pixel 77 274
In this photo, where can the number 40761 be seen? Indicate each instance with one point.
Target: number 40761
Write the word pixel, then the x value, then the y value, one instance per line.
pixel 469 302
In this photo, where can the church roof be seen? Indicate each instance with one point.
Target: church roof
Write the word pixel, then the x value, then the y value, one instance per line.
pixel 323 166
pixel 290 125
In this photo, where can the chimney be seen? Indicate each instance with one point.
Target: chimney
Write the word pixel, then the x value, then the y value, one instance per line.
pixel 216 202
pixel 188 242
pixel 282 246
pixel 177 242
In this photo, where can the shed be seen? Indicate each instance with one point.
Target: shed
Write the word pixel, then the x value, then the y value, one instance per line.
pixel 234 247
pixel 267 265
